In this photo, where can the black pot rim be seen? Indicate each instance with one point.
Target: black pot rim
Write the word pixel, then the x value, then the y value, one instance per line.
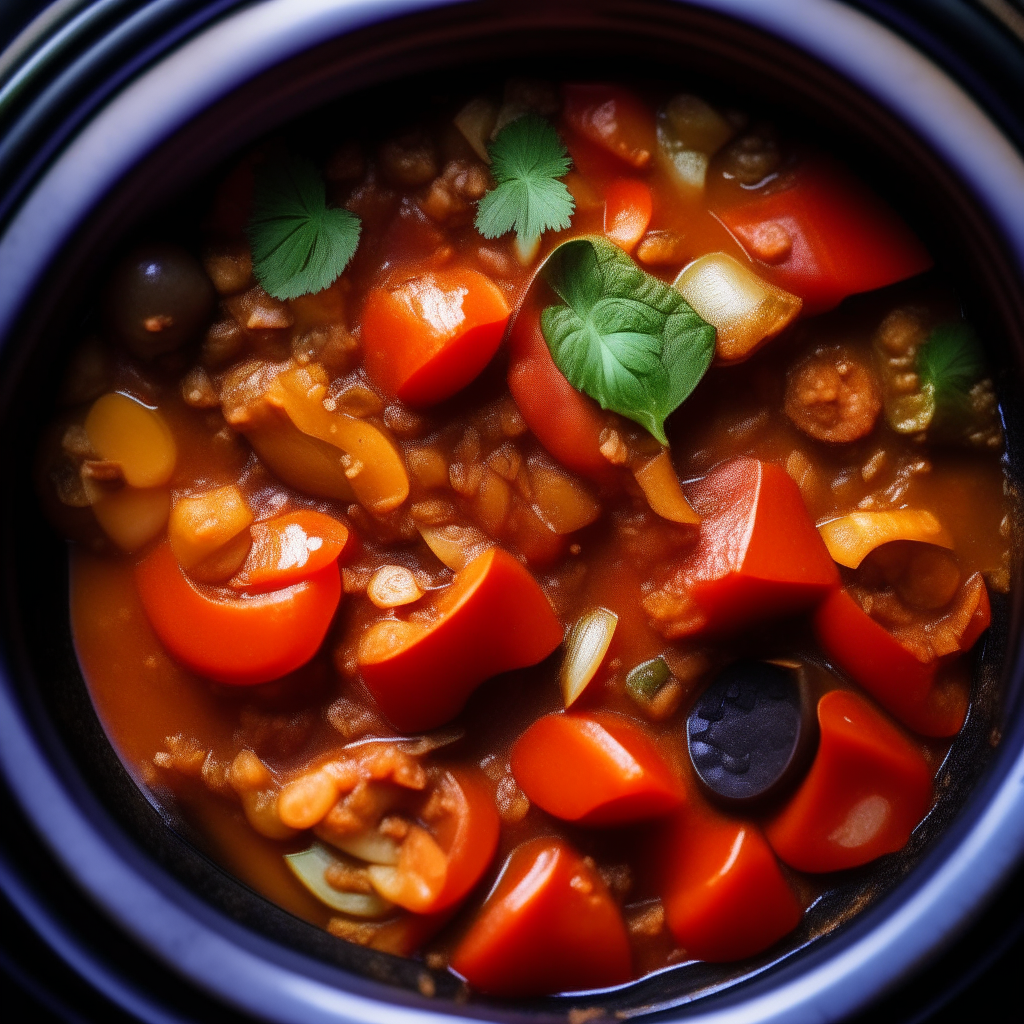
pixel 179 929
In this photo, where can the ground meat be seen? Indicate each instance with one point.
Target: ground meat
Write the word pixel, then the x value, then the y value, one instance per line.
pixel 832 395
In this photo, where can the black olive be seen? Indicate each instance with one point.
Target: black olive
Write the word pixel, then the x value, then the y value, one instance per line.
pixel 157 299
pixel 752 732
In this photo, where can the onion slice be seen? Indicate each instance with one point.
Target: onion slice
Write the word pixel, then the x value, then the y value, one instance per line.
pixel 851 538
pixel 586 645
pixel 745 310
pixel 309 867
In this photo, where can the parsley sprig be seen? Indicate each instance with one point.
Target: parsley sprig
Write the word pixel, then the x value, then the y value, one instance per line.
pixel 527 160
pixel 299 244
pixel 950 362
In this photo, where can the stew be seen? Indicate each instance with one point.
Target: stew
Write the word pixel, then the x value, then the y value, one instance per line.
pixel 446 504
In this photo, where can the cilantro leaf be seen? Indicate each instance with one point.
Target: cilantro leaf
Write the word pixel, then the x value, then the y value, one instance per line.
pixel 623 337
pixel 299 244
pixel 527 159
pixel 950 362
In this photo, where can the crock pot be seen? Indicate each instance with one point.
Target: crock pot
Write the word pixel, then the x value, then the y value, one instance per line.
pixel 108 109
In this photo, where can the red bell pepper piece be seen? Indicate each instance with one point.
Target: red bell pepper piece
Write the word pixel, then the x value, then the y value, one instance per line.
pixel 566 422
pixel 236 640
pixel 826 237
pixel 724 894
pixel 550 925
pixel 895 676
pixel 613 118
pixel 593 768
pixel 867 790
pixel 758 554
pixel 290 548
pixel 427 337
pixel 627 211
pixel 492 618
pixel 468 834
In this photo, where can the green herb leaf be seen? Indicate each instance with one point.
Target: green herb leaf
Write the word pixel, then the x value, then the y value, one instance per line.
pixel 527 159
pixel 623 337
pixel 299 245
pixel 950 363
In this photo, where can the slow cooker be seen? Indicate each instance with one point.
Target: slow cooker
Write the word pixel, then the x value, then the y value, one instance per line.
pixel 106 108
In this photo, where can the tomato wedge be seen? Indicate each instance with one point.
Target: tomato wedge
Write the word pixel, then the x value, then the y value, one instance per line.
pixel 758 555
pixel 566 422
pixel 839 239
pixel 612 118
pixel 724 894
pixel 628 205
pixel 240 640
pixel 550 925
pixel 492 618
pixel 428 336
pixel 895 676
pixel 867 790
pixel 593 768
pixel 290 548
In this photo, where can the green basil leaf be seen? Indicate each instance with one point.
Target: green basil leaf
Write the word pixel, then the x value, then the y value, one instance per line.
pixel 628 340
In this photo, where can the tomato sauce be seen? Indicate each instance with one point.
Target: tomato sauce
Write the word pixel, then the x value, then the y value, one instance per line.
pixel 373 528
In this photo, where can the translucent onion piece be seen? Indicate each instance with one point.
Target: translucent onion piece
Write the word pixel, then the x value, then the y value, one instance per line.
pixel 689 133
pixel 369 845
pixel 657 478
pixel 125 431
pixel 455 545
pixel 585 648
pixel 202 524
pixel 745 310
pixel 851 538
pixel 309 867
pixel 303 462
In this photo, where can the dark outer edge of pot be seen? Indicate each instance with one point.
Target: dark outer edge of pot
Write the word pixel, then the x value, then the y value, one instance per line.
pixel 718 5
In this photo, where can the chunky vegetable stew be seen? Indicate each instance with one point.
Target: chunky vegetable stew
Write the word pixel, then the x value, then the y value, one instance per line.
pixel 451 503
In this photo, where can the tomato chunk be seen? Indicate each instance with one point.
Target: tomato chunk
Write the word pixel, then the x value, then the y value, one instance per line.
pixel 427 337
pixel 724 894
pixel 550 925
pixel 593 768
pixel 613 118
pixel 291 548
pixel 236 640
pixel 758 554
pixel 492 618
pixel 895 676
pixel 566 422
pixel 826 237
pixel 468 834
pixel 627 211
pixel 867 790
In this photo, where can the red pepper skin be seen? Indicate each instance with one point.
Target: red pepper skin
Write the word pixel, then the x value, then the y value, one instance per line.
pixel 867 790
pixel 234 640
pixel 594 769
pixel 724 894
pixel 628 205
pixel 469 836
pixel 550 925
pixel 492 618
pixel 844 240
pixel 905 686
pixel 612 118
pixel 758 554
pixel 566 422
